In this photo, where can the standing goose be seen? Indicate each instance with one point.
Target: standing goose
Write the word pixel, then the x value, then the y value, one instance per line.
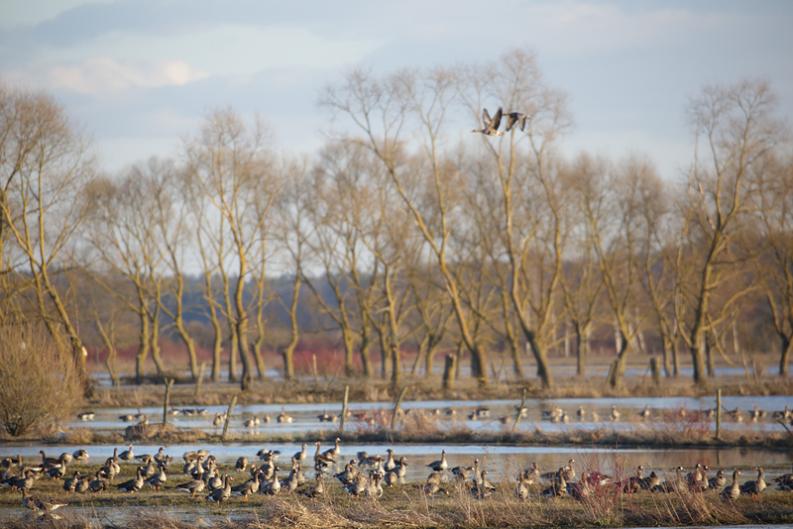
pixel 615 413
pixel 221 494
pixel 158 479
pixel 302 454
pixel 194 487
pixel 733 491
pixel 127 455
pixel 81 455
pixel 441 464
pixel 433 484
pixel 482 487
pixel 242 464
pixel 756 486
pixel 490 125
pixel 249 487
pixel 70 484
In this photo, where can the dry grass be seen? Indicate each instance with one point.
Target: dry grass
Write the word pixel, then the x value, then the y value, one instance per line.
pixel 408 507
pixel 39 386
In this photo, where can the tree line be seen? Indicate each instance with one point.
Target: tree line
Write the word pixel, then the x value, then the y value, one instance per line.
pixel 406 233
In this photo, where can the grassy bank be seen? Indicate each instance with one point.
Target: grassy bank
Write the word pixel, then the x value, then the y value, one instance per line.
pixel 408 506
pixel 674 436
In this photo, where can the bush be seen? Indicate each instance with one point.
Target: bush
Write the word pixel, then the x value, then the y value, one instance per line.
pixel 38 386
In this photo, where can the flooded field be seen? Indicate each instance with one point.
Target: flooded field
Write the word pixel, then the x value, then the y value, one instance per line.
pixel 552 415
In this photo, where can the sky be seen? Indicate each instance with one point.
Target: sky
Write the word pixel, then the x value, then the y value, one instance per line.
pixel 139 76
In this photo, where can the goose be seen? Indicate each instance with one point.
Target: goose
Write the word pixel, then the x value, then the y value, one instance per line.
pixel 349 473
pixel 83 484
pixel 86 416
pixel 251 423
pixel 271 486
pixel 133 485
pixel 293 480
pixel 433 483
pixel 696 479
pixel 223 493
pixel 615 413
pixel 645 413
pixel 70 484
pixel 719 481
pixel 333 453
pixel 462 473
pixel 98 484
pixel 401 469
pixel 219 419
pixel 214 480
pixel 531 475
pixel 733 491
pixel 241 464
pixel 126 418
pixel 754 415
pixel 302 454
pixel 482 487
pixel 522 488
pixel 391 478
pixel 785 481
pixel 81 455
pixel 158 479
pixel 633 484
pixel 194 487
pixel 580 413
pixel 49 461
pixel 283 417
pixel 756 486
pixel 513 118
pixel 390 463
pixel 672 486
pixel 324 417
pixel 24 482
pixel 374 488
pixel 650 482
pixel 246 489
pixel 41 507
pixel 569 470
pixel 127 455
pixel 441 464
pixel 558 486
pixel 318 489
pixel 490 124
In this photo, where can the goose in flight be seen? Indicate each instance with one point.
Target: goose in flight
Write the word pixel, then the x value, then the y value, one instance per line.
pixel 490 124
pixel 513 118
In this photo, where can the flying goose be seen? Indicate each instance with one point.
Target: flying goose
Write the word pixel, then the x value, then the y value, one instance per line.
pixel 490 124
pixel 513 118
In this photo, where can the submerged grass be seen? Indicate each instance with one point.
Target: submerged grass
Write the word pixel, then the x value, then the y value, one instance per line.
pixel 409 507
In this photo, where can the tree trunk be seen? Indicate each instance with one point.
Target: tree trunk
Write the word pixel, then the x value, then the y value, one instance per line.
pixel 581 331
pixel 294 329
pixel 143 340
pixel 787 347
pixel 217 329
pixel 618 369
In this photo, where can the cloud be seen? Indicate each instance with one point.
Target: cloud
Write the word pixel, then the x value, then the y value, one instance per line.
pixel 105 76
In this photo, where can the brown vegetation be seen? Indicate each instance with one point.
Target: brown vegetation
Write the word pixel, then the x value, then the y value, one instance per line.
pixel 40 387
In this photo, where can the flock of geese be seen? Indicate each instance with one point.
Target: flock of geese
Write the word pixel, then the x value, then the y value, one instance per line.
pixel 364 475
pixel 491 124
pixel 554 415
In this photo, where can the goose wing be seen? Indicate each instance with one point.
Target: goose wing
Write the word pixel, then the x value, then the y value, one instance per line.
pixel 497 119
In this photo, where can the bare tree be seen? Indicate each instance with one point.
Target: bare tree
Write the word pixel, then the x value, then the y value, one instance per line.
pixel 734 132
pixel 44 167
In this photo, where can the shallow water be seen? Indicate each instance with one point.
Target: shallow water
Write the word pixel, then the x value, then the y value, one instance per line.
pixel 305 415
pixel 500 460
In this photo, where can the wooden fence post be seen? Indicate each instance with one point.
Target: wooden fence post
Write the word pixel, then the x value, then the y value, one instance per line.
pixel 344 408
pixel 228 417
pixel 166 400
